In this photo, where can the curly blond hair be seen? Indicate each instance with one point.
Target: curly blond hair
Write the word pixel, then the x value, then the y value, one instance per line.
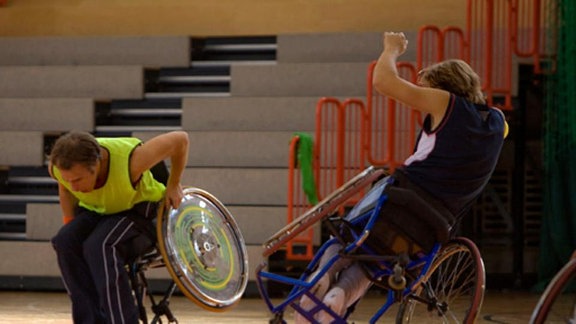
pixel 455 76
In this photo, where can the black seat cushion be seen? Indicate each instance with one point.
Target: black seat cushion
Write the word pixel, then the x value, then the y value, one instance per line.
pixel 411 220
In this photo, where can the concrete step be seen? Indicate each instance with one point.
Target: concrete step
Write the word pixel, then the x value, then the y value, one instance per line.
pixel 148 51
pixel 73 81
pixel 337 47
pixel 234 148
pixel 45 114
pixel 250 113
pixel 300 79
pixel 22 148
pixel 241 186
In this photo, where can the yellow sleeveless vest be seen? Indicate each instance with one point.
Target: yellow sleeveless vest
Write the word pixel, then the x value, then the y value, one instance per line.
pixel 117 194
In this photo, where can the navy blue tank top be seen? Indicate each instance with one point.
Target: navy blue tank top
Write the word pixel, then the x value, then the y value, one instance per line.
pixel 455 161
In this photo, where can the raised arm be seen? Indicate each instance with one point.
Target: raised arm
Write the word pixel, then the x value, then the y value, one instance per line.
pixel 173 146
pixel 387 81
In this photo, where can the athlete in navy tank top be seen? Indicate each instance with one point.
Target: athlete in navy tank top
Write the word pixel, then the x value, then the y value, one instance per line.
pixel 454 161
pixel 456 153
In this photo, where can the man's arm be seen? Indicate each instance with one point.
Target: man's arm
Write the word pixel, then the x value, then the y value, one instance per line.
pixel 173 146
pixel 68 203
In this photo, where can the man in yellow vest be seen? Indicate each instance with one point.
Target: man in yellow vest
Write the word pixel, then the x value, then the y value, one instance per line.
pixel 106 189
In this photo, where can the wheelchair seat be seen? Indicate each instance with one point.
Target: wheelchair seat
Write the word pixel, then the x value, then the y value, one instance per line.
pixel 409 219
pixel 406 219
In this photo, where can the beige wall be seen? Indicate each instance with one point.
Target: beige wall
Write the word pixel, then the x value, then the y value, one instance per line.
pixel 221 17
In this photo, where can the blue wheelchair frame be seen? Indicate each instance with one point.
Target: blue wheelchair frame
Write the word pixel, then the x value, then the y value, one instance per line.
pixel 385 268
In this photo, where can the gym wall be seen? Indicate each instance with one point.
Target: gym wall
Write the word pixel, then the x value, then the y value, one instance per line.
pixel 222 17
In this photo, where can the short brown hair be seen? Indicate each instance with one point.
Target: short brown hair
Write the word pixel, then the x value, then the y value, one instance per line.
pixel 457 77
pixel 75 148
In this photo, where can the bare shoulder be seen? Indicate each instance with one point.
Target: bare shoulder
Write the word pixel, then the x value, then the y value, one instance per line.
pixel 157 149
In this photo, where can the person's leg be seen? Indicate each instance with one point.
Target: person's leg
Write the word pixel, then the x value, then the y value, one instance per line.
pixel 324 283
pixel 104 251
pixel 74 269
pixel 352 284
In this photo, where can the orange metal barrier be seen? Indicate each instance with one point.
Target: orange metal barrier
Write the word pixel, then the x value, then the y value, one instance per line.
pixel 526 30
pixel 353 151
pixel 454 43
pixel 430 46
pixel 435 44
pixel 496 30
pixel 328 143
pixel 338 142
pixel 338 156
pixel 297 205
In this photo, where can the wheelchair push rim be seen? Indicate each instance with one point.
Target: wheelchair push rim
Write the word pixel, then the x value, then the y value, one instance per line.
pixel 204 250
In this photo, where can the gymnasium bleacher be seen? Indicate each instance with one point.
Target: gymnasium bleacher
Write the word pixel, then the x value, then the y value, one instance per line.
pixel 240 105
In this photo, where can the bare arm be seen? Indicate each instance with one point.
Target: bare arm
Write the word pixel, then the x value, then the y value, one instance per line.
pixel 68 203
pixel 387 81
pixel 173 146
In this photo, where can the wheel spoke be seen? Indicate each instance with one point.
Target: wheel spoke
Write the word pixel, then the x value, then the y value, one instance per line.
pixel 452 291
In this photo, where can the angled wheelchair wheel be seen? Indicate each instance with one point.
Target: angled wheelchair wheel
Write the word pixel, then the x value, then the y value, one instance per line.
pixel 452 291
pixel 204 251
pixel 558 302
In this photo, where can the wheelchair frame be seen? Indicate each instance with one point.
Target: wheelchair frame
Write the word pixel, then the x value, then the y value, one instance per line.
pixel 408 282
pixel 137 275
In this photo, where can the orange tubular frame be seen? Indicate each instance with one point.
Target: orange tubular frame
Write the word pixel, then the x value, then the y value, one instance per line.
pixel 297 205
pixel 338 156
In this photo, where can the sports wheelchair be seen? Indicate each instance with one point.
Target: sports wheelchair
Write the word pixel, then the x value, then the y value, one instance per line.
pixel 204 252
pixel 432 278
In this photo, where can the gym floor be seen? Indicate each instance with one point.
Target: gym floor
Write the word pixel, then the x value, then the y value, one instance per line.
pixel 502 307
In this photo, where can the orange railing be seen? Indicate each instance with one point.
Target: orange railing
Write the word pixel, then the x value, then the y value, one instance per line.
pixel 328 146
pixel 496 32
pixel 435 44
pixel 338 143
pixel 527 36
pixel 489 34
pixel 354 157
pixel 297 205
pixel 337 157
